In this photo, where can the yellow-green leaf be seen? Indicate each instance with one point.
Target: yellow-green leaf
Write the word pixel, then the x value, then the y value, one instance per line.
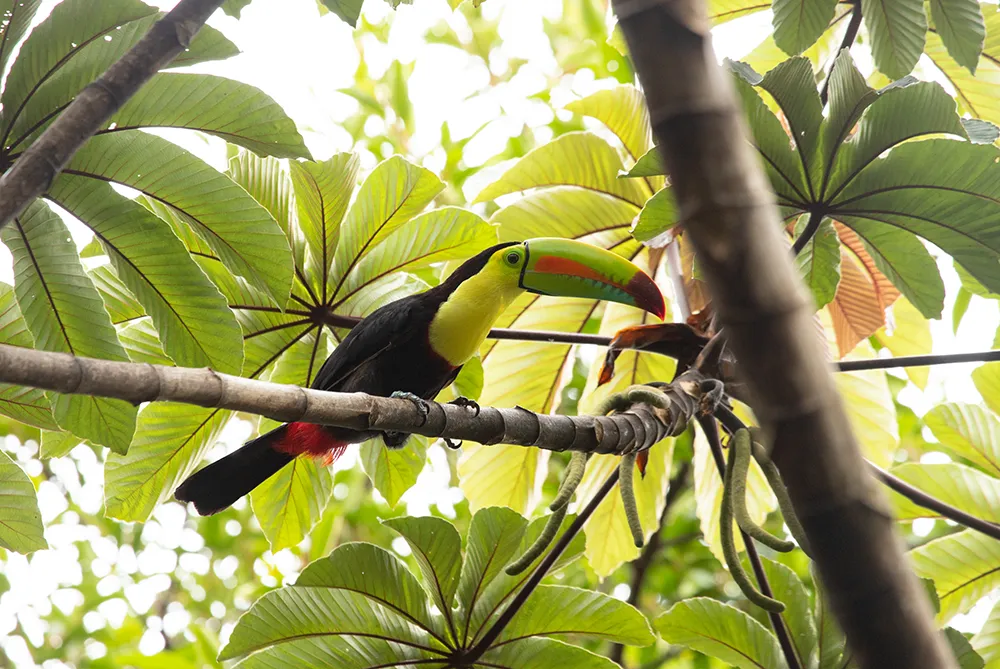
pixel 911 335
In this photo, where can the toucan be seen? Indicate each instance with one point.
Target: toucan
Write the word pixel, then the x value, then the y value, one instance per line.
pixel 414 347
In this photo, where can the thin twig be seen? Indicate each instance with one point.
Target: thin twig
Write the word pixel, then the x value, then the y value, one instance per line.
pixel 640 568
pixel 473 654
pixel 711 430
pixel 849 37
pixel 916 361
pixel 920 498
pixel 34 171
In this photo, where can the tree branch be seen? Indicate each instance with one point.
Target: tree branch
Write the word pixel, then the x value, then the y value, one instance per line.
pixel 730 215
pixel 636 429
pixel 34 171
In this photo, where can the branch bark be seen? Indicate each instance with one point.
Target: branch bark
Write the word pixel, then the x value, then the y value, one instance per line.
pixel 34 171
pixel 728 210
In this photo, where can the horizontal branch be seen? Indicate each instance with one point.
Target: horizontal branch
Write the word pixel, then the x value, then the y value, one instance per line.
pixel 34 171
pixel 636 429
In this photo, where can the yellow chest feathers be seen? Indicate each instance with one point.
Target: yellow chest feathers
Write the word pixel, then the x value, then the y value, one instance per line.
pixel 465 318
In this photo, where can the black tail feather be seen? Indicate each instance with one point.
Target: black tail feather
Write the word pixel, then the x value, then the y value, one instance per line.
pixel 220 484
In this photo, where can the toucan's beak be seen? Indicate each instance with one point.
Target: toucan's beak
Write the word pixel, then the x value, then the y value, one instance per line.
pixel 569 268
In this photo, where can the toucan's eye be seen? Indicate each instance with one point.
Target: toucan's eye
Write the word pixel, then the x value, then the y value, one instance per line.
pixel 513 258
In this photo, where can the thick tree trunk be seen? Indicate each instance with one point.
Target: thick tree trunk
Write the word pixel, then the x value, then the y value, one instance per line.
pixel 728 211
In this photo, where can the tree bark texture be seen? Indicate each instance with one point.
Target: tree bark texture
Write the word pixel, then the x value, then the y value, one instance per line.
pixel 728 211
pixel 34 171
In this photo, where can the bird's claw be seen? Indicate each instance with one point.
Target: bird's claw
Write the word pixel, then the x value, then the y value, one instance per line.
pixel 423 407
pixel 466 402
pixel 453 445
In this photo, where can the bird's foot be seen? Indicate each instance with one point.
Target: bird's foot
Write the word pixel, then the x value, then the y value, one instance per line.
pixel 423 407
pixel 466 402
pixel 713 395
pixel 450 443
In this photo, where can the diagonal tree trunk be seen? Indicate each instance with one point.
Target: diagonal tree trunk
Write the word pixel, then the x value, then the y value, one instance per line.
pixel 728 212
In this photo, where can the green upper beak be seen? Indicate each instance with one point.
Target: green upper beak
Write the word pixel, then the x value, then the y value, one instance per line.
pixel 569 268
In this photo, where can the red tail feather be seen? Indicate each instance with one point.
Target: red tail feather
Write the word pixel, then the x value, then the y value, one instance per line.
pixel 310 439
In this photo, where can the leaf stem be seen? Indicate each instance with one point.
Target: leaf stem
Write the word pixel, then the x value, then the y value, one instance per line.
pixel 849 37
pixel 711 429
pixel 812 225
pixel 472 655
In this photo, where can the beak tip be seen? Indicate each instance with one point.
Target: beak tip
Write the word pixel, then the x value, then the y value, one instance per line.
pixel 647 295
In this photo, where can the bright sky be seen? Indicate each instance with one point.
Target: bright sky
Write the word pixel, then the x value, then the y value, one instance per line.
pixel 302 60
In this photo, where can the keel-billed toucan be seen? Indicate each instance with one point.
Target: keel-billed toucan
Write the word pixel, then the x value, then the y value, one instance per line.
pixel 418 344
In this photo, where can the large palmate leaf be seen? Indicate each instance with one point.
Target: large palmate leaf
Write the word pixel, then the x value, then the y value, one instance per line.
pixel 288 504
pixel 64 313
pixel 17 17
pixel 243 235
pixel 360 607
pixel 968 431
pixel 720 631
pixel 193 319
pixel 27 405
pixel 20 519
pixel 819 262
pixel 75 45
pixel 609 540
pixel 963 567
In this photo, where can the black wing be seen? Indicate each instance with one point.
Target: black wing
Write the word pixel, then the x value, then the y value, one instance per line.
pixel 386 328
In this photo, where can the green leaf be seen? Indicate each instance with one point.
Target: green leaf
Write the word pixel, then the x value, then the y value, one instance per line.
pixel 870 409
pixel 987 640
pixel 243 235
pixel 196 327
pixel 849 96
pixel 819 261
pixel 17 18
pixel 438 550
pixel 911 335
pixel 623 110
pixel 553 609
pixel 579 159
pixel 171 440
pixel 234 7
pixel 799 23
pixel 658 216
pixel 494 537
pixel 890 120
pixel 798 615
pixel 939 189
pixel 962 299
pixel 71 27
pixel 393 193
pixel 469 382
pixel 399 96
pixel 966 656
pixel 987 381
pixel 792 84
pixel 980 132
pixel 20 520
pixel 537 653
pixel 322 193
pixel 347 10
pixel 23 404
pixel 64 313
pixel 898 29
pixel 293 623
pixel 231 110
pixel 964 569
pixel 721 11
pixel 976 94
pixel 394 471
pixel 142 344
pixel 722 632
pixel 377 574
pixel 962 29
pixel 289 503
pixel 830 639
pixel 650 164
pixel 56 444
pixel 93 41
pixel 120 304
pixel 968 431
pixel 440 235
